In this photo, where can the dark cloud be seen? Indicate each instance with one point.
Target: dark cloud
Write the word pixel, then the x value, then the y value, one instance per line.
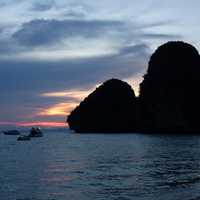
pixel 22 82
pixel 135 49
pixel 43 32
pixel 156 24
pixel 19 76
pixel 160 36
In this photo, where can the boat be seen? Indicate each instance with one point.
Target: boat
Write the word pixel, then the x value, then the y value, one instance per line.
pixel 23 138
pixel 11 132
pixel 35 132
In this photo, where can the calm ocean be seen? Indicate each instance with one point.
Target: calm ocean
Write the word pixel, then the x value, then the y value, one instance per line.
pixel 66 166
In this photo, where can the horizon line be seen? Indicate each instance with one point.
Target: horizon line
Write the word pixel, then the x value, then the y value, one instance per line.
pixel 36 123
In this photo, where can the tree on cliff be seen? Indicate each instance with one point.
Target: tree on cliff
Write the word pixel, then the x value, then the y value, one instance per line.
pixel 169 94
pixel 110 108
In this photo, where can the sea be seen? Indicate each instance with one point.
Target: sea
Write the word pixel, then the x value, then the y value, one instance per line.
pixel 66 166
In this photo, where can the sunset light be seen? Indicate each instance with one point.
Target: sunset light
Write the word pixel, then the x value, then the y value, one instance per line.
pixel 31 124
pixel 60 109
pixel 76 94
pixel 99 100
pixel 42 124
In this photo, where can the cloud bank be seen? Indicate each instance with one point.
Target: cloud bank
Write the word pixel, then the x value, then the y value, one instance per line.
pixel 62 48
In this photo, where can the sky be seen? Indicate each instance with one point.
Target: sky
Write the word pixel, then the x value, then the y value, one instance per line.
pixel 53 53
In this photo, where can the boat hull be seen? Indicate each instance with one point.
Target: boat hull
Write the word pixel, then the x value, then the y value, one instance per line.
pixel 13 132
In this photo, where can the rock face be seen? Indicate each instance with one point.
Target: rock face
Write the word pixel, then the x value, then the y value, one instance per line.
pixel 169 95
pixel 111 108
pixel 169 100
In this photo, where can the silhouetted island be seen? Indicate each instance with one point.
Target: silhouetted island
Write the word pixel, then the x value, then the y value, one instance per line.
pixel 110 108
pixel 169 94
pixel 168 102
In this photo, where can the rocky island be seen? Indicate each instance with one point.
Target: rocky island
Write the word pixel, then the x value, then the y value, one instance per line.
pixel 112 108
pixel 169 100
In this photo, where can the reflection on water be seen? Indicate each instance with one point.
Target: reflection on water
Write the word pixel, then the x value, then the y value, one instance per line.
pixel 64 166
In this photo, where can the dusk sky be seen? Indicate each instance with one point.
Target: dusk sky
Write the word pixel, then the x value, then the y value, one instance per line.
pixel 53 53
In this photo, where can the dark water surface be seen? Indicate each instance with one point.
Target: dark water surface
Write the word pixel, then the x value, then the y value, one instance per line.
pixel 62 166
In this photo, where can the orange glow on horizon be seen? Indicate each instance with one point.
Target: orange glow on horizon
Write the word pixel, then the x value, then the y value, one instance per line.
pixel 63 109
pixel 60 109
pixel 30 124
pixel 76 94
pixel 44 124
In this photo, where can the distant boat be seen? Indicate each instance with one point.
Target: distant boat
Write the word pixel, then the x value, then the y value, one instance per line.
pixel 23 138
pixel 11 132
pixel 35 132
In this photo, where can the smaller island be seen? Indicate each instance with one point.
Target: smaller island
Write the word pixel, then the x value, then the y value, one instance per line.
pixel 111 108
